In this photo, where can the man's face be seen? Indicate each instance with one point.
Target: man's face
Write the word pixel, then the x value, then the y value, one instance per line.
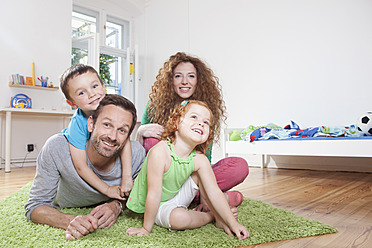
pixel 110 132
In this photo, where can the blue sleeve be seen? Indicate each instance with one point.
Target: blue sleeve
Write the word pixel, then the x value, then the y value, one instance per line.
pixel 77 131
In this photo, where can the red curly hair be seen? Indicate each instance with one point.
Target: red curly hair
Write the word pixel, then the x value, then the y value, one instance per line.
pixel 171 126
pixel 163 98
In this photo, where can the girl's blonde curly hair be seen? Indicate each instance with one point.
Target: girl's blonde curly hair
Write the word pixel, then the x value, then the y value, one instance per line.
pixel 163 97
pixel 175 118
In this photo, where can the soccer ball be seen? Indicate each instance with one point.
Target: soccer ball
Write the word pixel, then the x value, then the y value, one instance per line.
pixel 365 123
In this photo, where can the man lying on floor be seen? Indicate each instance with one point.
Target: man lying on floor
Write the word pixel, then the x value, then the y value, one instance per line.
pixel 58 185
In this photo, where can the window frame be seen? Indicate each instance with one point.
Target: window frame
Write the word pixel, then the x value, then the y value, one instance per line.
pixel 96 44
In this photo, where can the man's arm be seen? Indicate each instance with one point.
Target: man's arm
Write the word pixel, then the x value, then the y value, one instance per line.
pixel 50 216
pixel 75 226
pixel 45 184
pixel 103 216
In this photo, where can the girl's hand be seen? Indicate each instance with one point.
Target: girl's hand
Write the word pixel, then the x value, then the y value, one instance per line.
pixel 114 192
pixel 202 207
pixel 240 231
pixel 137 231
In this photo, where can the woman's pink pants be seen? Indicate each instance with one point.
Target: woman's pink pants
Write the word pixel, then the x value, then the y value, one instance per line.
pixel 229 171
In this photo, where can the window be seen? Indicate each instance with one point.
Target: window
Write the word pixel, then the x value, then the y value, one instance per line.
pixel 111 58
pixel 83 24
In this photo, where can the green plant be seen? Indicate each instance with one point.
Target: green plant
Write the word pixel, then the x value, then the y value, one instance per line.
pixel 104 63
pixel 104 67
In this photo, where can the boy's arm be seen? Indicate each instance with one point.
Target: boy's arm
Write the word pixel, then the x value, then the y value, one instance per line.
pixel 219 204
pixel 155 171
pixel 79 160
pixel 126 165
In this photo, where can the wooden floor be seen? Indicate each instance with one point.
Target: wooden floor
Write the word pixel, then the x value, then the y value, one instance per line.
pixel 340 199
pixel 12 181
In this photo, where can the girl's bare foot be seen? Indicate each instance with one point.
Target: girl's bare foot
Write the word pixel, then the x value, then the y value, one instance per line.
pixel 220 224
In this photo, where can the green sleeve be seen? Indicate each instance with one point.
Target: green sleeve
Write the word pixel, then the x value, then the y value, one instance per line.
pixel 208 152
pixel 145 116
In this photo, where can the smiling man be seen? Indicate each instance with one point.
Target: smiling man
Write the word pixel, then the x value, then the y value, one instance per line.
pixel 58 185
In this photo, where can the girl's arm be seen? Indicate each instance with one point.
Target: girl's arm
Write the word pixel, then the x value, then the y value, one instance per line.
pixel 219 205
pixel 126 165
pixel 155 170
pixel 79 160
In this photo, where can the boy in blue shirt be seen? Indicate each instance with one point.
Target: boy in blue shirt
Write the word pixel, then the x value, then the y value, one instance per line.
pixel 84 90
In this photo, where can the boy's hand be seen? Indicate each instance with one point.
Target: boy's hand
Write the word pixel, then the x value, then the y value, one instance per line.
pixel 115 193
pixel 126 186
pixel 137 231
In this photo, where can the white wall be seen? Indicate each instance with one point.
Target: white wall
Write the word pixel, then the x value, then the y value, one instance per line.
pixel 40 31
pixel 307 61
pixel 34 31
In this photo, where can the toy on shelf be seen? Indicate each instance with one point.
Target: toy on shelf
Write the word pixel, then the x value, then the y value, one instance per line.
pixel 44 81
pixel 21 101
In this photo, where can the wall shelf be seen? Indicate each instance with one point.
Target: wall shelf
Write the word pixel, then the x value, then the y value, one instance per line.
pixel 33 87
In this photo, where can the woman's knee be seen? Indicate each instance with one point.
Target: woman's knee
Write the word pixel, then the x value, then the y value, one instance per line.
pixel 148 143
pixel 230 172
pixel 235 165
pixel 241 165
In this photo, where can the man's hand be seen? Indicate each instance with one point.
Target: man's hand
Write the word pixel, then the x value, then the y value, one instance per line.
pixel 137 231
pixel 80 226
pixel 106 213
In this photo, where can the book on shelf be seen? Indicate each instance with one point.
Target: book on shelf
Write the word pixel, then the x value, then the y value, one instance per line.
pixel 20 80
pixel 29 81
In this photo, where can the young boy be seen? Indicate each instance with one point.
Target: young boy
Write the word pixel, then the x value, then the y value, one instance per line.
pixel 84 90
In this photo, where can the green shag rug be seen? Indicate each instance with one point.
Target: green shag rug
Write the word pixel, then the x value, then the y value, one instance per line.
pixel 265 223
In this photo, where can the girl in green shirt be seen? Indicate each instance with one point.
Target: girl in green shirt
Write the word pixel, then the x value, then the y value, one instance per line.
pixel 179 168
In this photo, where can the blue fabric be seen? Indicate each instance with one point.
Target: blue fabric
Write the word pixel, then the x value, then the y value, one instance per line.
pixel 308 132
pixel 77 131
pixel 324 138
pixel 293 131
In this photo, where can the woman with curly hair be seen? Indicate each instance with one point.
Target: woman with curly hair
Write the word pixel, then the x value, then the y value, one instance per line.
pixel 184 77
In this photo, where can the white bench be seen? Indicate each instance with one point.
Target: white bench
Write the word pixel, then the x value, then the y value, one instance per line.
pixel 302 147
